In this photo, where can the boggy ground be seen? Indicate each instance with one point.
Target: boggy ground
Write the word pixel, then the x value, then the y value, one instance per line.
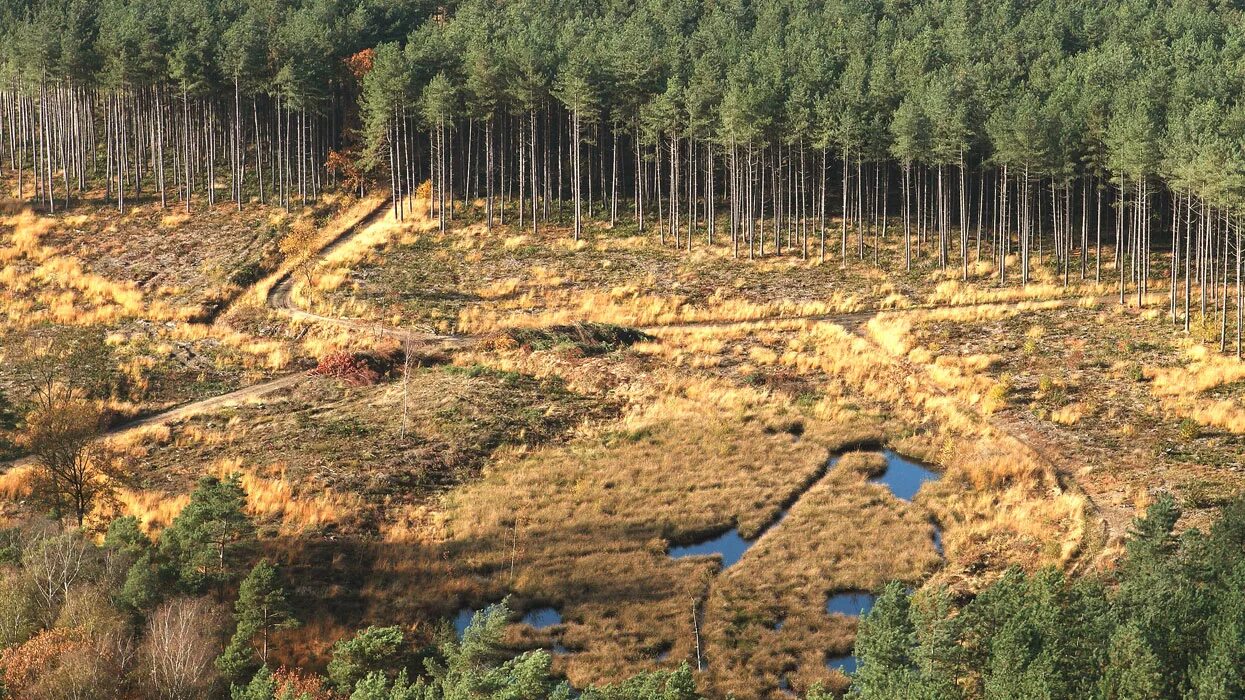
pixel 585 467
pixel 558 465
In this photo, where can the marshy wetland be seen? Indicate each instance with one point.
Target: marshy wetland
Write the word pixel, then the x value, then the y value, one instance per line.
pixel 726 483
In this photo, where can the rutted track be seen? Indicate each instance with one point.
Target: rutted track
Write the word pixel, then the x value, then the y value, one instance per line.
pixel 281 295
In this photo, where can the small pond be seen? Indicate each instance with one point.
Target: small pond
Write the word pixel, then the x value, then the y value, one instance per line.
pixel 542 618
pixel 850 603
pixel 463 620
pixel 903 476
pixel 538 618
pixel 846 664
pixel 729 544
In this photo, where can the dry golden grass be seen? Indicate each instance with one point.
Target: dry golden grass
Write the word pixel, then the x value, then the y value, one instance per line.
pixel 626 306
pixel 270 500
pixel 955 292
pixel 719 426
pixel 333 269
pixel 1006 504
pixel 276 499
pixel 999 505
pixel 106 270
pixel 136 442
pixel 15 482
pixel 350 217
pixel 53 288
pixel 1182 388
pixel 154 510
pixel 1068 415
pixel 843 535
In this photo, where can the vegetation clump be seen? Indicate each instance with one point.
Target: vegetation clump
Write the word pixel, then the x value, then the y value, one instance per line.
pixel 352 368
pixel 586 338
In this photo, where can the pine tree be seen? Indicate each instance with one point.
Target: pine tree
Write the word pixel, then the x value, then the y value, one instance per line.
pixel 575 88
pixel 1220 674
pixel 469 667
pixel 262 686
pixel 439 104
pixel 885 645
pixel 208 541
pixel 375 649
pixel 142 587
pixel 376 686
pixel 261 609
pixel 1133 671
pixel 125 537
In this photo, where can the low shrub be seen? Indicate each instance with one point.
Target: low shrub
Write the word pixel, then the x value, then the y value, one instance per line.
pixel 353 369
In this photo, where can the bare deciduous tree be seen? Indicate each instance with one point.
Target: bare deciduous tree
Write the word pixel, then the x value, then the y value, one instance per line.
pixel 53 565
pixel 19 612
pixel 179 648
pixel 59 364
pixel 407 351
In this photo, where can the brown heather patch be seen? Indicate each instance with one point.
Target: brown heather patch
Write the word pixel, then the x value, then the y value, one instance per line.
pixel 996 512
pixel 327 434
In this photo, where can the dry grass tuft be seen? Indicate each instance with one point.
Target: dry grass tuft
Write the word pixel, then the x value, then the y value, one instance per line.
pixel 15 483
pixel 1183 389
pixel 154 510
pixel 276 498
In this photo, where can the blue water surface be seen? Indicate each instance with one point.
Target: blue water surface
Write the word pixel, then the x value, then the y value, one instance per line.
pixel 903 476
pixel 729 544
pixel 463 620
pixel 846 664
pixel 850 603
pixel 542 618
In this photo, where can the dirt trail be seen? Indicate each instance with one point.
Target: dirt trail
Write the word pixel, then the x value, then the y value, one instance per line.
pixel 279 300
pixel 281 296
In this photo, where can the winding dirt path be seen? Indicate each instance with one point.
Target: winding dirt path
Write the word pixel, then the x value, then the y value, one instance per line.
pixel 281 295
pixel 278 299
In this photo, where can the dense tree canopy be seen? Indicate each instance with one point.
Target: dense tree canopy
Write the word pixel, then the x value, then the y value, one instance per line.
pixel 1169 625
pixel 1019 83
pixel 1015 134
